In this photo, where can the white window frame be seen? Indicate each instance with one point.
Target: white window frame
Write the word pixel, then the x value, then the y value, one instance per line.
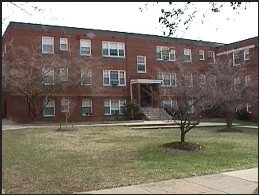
pixel 237 81
pixel 246 54
pixel 187 52
pixel 108 104
pixel 85 43
pixel 247 80
pixel 118 46
pixel 51 44
pixel 171 102
pixel 63 74
pixel 63 41
pixel 64 104
pixel 107 75
pixel 169 77
pixel 191 109
pixel 212 78
pixel 202 79
pixel 213 56
pixel 141 61
pixel 50 104
pixel 248 107
pixel 48 72
pixel 86 105
pixel 201 54
pixel 88 74
pixel 188 78
pixel 235 58
pixel 170 53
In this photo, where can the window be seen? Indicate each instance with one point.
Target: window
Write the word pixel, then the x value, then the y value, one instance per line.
pixel 168 79
pixel 202 79
pixel 48 76
pixel 236 58
pixel 247 80
pixel 114 107
pixel 65 104
pixel 141 64
pixel 85 47
pixel 63 74
pixel 165 53
pixel 49 109
pixel 169 103
pixel 190 106
pixel 188 80
pixel 201 54
pixel 237 83
pixel 113 49
pixel 48 45
pixel 86 77
pixel 187 55
pixel 87 107
pixel 114 77
pixel 246 54
pixel 212 81
pixel 249 107
pixel 211 57
pixel 63 44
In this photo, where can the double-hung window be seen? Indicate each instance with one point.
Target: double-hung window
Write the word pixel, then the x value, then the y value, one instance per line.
pixel 63 44
pixel 86 107
pixel 237 83
pixel 248 107
pixel 63 73
pixel 141 64
pixel 201 54
pixel 86 77
pixel 113 49
pixel 48 45
pixel 190 106
pixel 202 79
pixel 49 108
pixel 48 76
pixel 187 55
pixel 114 77
pixel 247 80
pixel 236 58
pixel 165 53
pixel 85 47
pixel 168 79
pixel 246 54
pixel 114 106
pixel 66 104
pixel 211 57
pixel 169 103
pixel 188 80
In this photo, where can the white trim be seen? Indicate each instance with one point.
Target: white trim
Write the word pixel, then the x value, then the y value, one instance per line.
pixel 142 64
pixel 50 107
pixel 90 46
pixel 66 43
pixel 91 107
pixel 52 44
pixel 117 48
pixel 233 50
pixel 201 54
pixel 187 52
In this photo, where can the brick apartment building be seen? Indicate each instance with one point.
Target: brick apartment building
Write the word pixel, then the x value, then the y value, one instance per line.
pixel 126 68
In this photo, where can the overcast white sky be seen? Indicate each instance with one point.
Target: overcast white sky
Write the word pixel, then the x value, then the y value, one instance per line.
pixel 127 17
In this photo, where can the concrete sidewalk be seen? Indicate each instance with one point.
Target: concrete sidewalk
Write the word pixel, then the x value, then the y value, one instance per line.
pixel 234 182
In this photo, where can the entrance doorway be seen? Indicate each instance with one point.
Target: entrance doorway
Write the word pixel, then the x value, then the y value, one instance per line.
pixel 145 95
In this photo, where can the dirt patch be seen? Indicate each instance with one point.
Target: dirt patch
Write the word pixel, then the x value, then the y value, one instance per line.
pixel 186 146
pixel 229 130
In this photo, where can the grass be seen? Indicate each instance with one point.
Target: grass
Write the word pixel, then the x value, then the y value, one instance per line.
pixel 36 161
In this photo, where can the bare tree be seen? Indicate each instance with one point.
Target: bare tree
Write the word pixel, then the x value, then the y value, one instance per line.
pixel 29 75
pixel 184 91
pixel 237 85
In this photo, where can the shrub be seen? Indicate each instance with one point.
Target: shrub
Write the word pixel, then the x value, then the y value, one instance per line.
pixel 133 111
pixel 242 115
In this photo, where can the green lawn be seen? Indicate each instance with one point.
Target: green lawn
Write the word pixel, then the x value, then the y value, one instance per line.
pixel 38 161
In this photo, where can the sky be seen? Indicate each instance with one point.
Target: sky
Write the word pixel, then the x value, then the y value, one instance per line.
pixel 225 27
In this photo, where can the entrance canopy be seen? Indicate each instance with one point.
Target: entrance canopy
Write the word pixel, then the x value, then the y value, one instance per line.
pixel 145 81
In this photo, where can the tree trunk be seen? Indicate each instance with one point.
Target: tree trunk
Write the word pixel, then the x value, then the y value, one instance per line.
pixel 229 119
pixel 182 136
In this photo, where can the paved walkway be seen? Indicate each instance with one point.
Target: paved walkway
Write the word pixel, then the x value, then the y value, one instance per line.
pixel 234 182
